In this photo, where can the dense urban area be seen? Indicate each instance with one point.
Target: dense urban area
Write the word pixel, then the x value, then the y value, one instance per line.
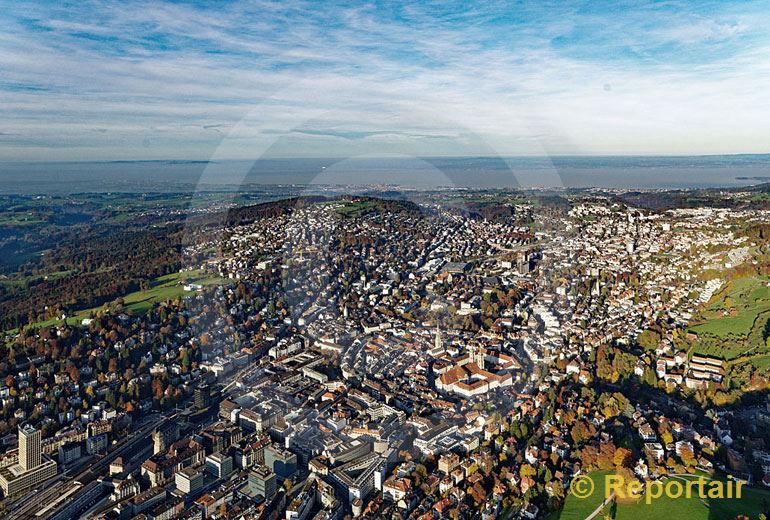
pixel 448 354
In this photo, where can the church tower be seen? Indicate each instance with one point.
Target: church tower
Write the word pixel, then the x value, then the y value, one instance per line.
pixel 438 346
pixel 476 354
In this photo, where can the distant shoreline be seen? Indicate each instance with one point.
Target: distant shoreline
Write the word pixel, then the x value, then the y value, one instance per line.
pixel 601 172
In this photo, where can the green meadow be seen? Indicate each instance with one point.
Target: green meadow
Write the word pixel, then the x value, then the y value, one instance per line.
pixel 753 501
pixel 164 288
pixel 735 321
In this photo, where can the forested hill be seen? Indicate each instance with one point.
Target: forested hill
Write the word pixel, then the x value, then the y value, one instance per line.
pixel 101 261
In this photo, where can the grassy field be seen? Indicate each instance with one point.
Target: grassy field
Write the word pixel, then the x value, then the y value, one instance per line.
pixel 167 288
pixel 751 503
pixel 9 219
pixel 31 279
pixel 762 362
pixel 164 288
pixel 356 209
pixel 579 508
pixel 734 321
pixel 743 300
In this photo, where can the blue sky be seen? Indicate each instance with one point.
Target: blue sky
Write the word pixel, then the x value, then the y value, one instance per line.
pixel 198 80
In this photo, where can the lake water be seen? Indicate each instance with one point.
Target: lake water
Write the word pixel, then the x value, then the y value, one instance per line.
pixel 472 172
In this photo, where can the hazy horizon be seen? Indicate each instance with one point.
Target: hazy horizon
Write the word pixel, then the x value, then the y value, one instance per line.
pixel 625 172
pixel 385 156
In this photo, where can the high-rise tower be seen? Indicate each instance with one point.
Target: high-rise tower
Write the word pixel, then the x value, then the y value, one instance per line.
pixel 32 468
pixel 29 447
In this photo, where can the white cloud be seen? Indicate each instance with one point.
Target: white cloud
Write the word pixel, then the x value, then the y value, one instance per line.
pixel 178 72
